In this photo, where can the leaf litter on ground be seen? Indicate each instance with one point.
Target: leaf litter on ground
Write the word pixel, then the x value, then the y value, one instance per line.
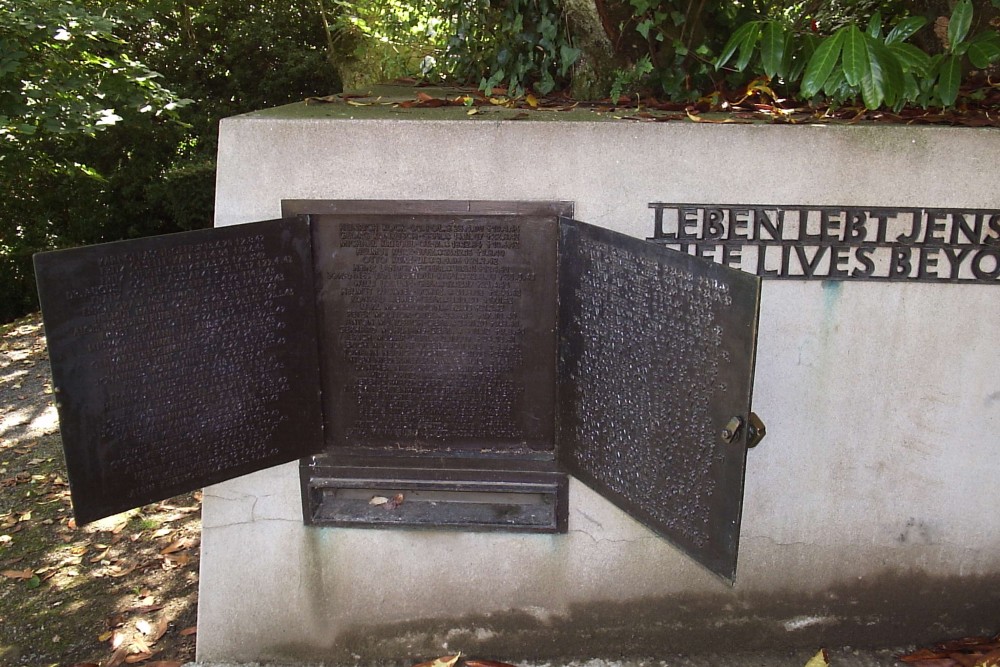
pixel 65 591
pixel 756 102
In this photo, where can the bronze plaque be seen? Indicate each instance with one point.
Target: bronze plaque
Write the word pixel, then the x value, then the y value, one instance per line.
pixel 655 361
pixel 437 332
pixel 182 360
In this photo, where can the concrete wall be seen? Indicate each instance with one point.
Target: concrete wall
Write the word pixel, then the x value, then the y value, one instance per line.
pixel 870 508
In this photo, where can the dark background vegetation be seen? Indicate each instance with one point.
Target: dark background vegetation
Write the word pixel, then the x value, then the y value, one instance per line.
pixel 109 108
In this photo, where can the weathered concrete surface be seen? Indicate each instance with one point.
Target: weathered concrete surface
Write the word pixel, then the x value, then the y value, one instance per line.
pixel 838 658
pixel 870 509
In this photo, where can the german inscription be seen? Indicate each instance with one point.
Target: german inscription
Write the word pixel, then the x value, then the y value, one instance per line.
pixel 437 334
pixel 837 243
pixel 174 360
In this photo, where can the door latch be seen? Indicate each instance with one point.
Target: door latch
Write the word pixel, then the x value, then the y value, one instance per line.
pixel 755 430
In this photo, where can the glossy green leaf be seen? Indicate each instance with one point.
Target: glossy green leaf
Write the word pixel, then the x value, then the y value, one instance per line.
pixel 958 26
pixel 949 80
pixel 735 41
pixel 747 47
pixel 772 48
pixel 836 85
pixel 911 89
pixel 801 59
pixel 875 25
pixel 910 58
pixel 821 64
pixel 855 55
pixel 886 71
pixel 873 84
pixel 787 59
pixel 984 49
pixel 567 57
pixel 905 29
pixel 731 45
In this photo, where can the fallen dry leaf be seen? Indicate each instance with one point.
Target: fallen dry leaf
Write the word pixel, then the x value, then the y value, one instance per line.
pixel 177 545
pixel 138 657
pixel 698 119
pixel 18 574
pixel 171 561
pixel 819 660
pixel 378 500
pixel 188 631
pixel 163 663
pixel 101 556
pixel 964 652
pixel 159 630
pixel 991 659
pixel 486 663
pixel 138 646
pixel 117 571
pixel 443 661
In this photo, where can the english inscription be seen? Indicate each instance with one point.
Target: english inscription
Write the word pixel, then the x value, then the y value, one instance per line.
pixel 837 243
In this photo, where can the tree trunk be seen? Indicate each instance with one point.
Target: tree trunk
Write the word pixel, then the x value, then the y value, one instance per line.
pixel 594 71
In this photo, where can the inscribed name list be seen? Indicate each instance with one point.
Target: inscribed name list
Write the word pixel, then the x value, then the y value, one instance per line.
pixel 181 360
pixel 437 335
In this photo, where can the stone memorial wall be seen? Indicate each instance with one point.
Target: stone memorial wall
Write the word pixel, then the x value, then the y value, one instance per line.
pixel 869 508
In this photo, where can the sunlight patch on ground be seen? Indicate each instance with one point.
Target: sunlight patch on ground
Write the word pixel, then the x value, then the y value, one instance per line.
pixel 10 377
pixel 47 421
pixel 12 420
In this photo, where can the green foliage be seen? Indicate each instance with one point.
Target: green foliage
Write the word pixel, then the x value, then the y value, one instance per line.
pixel 519 45
pixel 386 39
pixel 678 38
pixel 66 76
pixel 883 70
pixel 629 80
pixel 91 147
pixel 64 71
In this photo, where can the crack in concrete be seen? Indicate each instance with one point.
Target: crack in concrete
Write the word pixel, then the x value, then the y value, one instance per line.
pixel 598 540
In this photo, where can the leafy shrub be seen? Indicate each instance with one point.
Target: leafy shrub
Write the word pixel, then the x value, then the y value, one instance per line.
pixel 520 45
pixel 881 69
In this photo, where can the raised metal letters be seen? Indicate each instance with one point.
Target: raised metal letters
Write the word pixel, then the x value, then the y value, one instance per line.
pixel 838 243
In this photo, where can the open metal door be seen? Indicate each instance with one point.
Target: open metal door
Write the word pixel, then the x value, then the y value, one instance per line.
pixel 656 357
pixel 182 360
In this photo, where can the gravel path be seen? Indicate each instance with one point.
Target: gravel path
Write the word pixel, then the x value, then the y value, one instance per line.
pixel 27 411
